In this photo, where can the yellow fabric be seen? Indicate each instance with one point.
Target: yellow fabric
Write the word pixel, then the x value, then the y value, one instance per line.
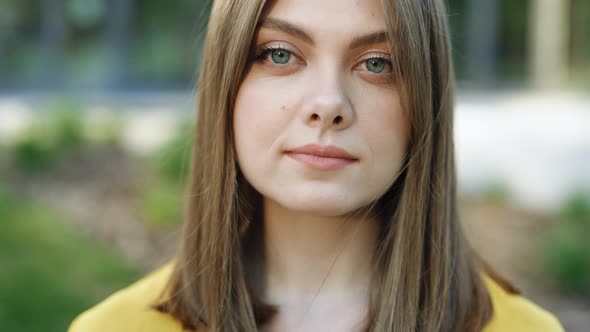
pixel 129 311
pixel 516 313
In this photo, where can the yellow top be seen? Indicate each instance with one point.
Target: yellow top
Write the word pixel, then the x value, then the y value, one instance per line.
pixel 128 311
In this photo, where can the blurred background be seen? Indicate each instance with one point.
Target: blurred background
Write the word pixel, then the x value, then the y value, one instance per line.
pixel 97 99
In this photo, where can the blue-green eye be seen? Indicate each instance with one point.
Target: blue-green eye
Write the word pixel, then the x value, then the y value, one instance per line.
pixel 376 65
pixel 280 56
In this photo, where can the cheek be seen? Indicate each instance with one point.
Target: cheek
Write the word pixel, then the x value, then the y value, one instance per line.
pixel 259 119
pixel 385 129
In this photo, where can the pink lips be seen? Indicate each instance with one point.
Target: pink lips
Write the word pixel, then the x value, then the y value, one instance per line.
pixel 322 157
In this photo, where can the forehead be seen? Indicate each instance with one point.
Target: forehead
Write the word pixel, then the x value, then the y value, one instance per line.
pixel 330 18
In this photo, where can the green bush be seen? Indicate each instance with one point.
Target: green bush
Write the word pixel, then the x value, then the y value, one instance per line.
pixel 104 130
pixel 64 124
pixel 162 200
pixel 577 210
pixel 172 161
pixel 32 152
pixel 566 251
pixel 53 134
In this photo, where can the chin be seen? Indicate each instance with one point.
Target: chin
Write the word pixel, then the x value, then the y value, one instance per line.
pixel 322 205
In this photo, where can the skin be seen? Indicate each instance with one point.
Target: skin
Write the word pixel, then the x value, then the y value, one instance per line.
pixel 326 93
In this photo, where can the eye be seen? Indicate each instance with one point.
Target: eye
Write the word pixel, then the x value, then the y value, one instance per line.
pixel 377 65
pixel 376 68
pixel 278 55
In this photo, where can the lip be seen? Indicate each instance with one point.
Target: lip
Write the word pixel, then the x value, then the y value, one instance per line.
pixel 322 157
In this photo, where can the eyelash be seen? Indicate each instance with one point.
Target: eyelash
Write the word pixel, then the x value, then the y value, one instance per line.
pixel 387 60
pixel 264 51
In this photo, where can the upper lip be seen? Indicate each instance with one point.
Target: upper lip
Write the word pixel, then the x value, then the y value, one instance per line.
pixel 328 151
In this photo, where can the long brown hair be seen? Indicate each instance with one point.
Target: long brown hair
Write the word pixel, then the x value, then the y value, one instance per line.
pixel 427 276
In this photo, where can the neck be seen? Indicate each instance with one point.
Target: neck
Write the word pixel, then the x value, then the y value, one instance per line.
pixel 308 254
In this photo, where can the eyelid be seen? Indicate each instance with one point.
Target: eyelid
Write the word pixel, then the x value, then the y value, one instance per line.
pixel 376 55
pixel 277 45
pixel 379 56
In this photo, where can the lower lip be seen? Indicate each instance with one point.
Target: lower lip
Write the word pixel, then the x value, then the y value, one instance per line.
pixel 321 163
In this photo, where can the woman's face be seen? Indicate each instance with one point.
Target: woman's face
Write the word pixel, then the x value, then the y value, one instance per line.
pixel 317 120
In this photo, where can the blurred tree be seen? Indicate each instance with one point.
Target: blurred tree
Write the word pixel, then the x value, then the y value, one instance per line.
pixel 86 13
pixel 167 47
pixel 579 42
pixel 457 22
pixel 53 39
pixel 9 19
pixel 23 54
pixel 5 25
pixel 119 38
pixel 548 37
pixel 512 41
pixel 489 40
pixel 482 41
pixel 130 43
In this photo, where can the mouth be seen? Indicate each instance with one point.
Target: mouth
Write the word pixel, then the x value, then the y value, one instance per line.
pixel 322 157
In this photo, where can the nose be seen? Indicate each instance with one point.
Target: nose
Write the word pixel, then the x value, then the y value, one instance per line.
pixel 328 106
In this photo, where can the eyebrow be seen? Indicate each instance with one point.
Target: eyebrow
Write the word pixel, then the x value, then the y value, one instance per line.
pixel 370 39
pixel 291 29
pixel 286 27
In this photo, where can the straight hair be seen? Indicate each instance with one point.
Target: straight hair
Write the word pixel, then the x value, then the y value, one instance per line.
pixel 427 277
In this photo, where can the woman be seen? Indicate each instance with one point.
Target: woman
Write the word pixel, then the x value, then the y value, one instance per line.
pixel 323 189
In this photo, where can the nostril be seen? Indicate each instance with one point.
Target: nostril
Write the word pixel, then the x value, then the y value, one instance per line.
pixel 337 119
pixel 315 116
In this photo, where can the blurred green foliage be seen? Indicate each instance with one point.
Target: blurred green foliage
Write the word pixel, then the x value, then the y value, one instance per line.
pixel 161 201
pixel 566 251
pixel 54 133
pixel 50 271
pixel 172 160
pixel 59 130
pixel 513 39
pixel 579 42
pixel 105 130
pixel 85 13
pixel 64 124
pixel 84 41
pixel 161 204
pixel 164 39
pixel 496 191
pixel 32 153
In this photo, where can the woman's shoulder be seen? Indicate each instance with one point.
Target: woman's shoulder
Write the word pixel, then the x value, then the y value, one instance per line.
pixel 513 312
pixel 130 309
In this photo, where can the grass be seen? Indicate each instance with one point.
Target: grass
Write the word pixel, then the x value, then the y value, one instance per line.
pixel 161 204
pixel 50 271
pixel 566 251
